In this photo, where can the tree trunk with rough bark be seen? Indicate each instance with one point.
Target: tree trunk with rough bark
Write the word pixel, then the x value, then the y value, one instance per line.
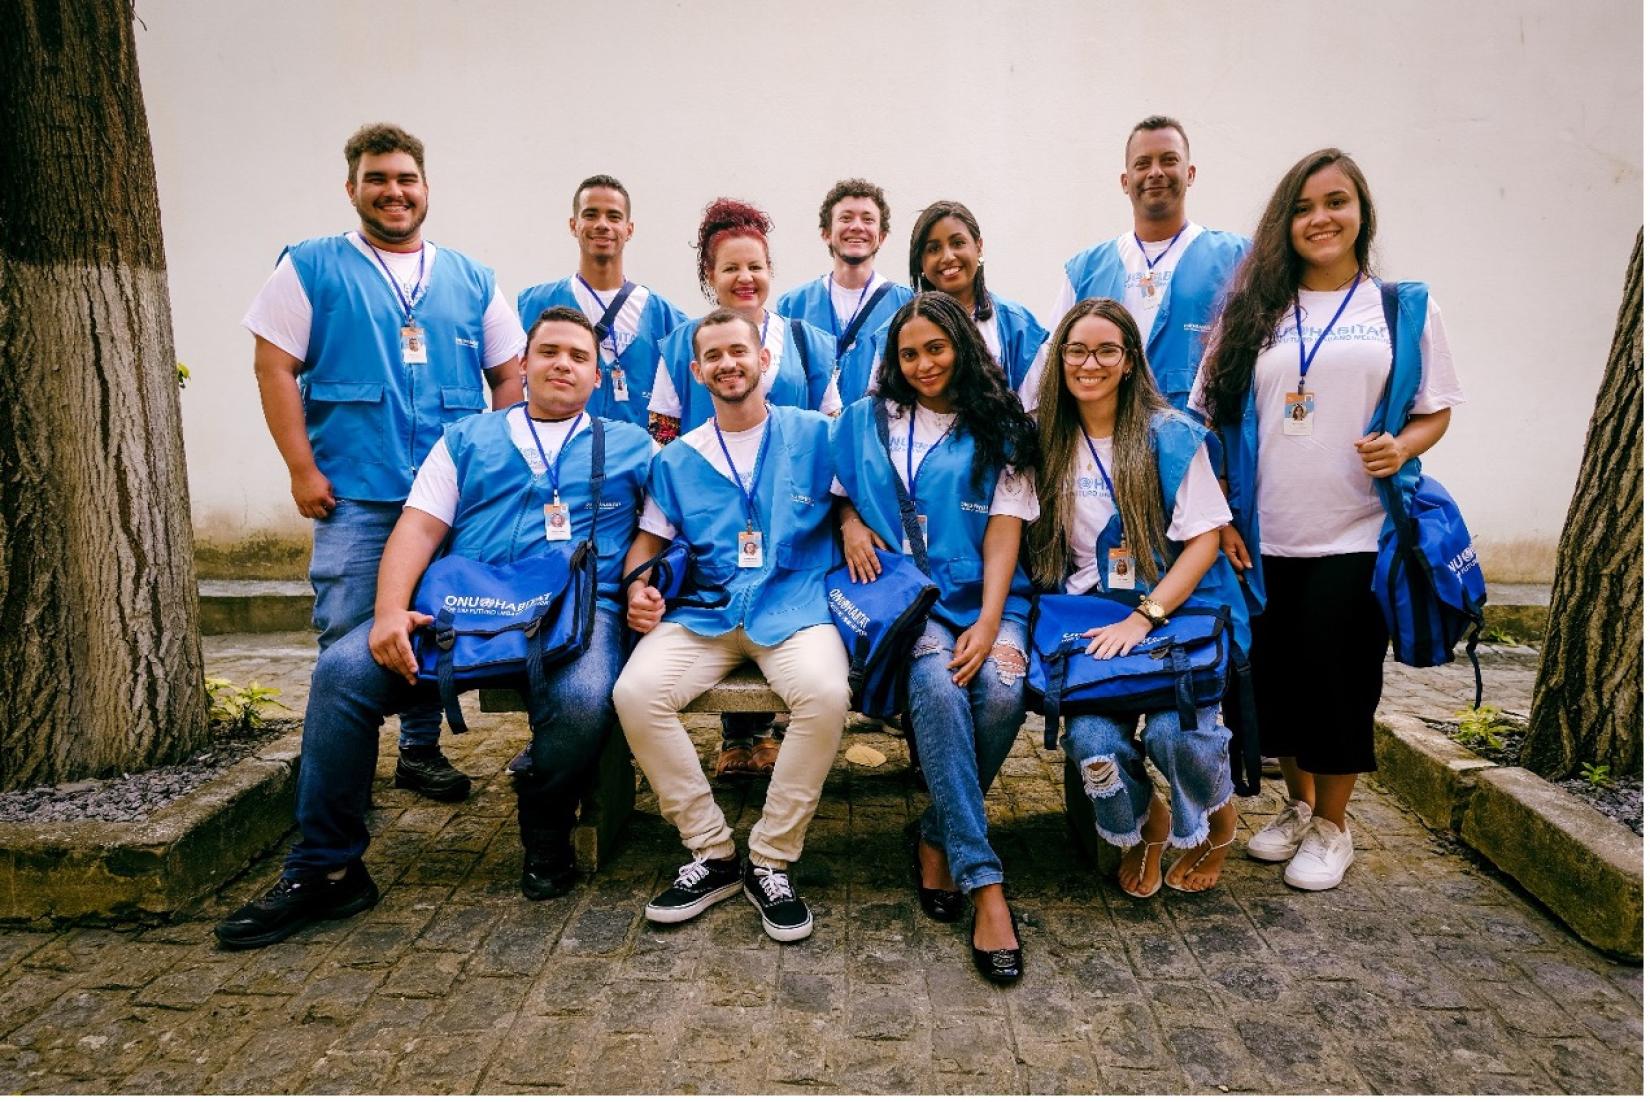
pixel 1589 694
pixel 100 657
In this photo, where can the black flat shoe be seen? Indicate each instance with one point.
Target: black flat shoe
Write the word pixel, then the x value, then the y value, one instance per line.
pixel 939 904
pixel 1001 966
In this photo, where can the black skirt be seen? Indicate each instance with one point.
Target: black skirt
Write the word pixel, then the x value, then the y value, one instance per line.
pixel 1317 655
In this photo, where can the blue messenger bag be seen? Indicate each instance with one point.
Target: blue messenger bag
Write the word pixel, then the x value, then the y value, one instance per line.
pixel 677 577
pixel 879 622
pixel 497 622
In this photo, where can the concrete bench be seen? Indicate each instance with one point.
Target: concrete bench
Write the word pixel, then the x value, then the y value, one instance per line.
pixel 610 794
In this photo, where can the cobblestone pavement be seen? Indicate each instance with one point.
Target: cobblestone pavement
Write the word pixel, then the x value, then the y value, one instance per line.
pixel 1422 973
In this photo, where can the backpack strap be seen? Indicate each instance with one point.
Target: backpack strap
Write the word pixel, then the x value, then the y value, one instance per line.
pixel 604 327
pixel 857 322
pixel 799 337
pixel 1238 709
pixel 1052 693
pixel 445 637
pixel 907 507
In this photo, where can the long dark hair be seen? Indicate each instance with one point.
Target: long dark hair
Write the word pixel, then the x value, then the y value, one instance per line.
pixel 986 408
pixel 947 208
pixel 1134 461
pixel 1266 284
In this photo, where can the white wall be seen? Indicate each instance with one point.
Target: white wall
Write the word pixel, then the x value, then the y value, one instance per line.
pixel 1503 142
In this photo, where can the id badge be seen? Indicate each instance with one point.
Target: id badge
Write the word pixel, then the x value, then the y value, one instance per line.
pixel 1119 569
pixel 621 388
pixel 922 527
pixel 1147 286
pixel 413 349
pixel 1297 413
pixel 558 525
pixel 750 550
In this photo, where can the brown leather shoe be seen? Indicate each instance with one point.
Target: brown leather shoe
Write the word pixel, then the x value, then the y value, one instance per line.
pixel 764 755
pixel 734 761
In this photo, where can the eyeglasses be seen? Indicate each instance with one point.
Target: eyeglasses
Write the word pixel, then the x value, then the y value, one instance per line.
pixel 1076 355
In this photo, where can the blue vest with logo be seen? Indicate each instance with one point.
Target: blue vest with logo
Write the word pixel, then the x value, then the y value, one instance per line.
pixel 957 509
pixel 371 418
pixel 638 360
pixel 793 510
pixel 1240 443
pixel 500 516
pixel 792 384
pixel 1191 302
pixel 1019 336
pixel 1175 440
pixel 812 303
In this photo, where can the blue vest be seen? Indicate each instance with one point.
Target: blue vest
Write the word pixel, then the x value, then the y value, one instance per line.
pixel 372 419
pixel 793 510
pixel 957 509
pixel 1019 336
pixel 1241 442
pixel 1175 440
pixel 812 303
pixel 1190 305
pixel 639 361
pixel 500 515
pixel 792 385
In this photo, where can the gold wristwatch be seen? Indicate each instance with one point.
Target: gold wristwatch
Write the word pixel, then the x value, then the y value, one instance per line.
pixel 1152 611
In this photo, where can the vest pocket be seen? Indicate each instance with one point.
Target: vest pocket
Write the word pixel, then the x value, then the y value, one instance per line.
pixel 462 397
pixel 347 425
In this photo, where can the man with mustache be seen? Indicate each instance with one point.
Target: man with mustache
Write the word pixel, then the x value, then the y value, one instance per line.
pixel 1169 272
pixel 750 490
pixel 367 344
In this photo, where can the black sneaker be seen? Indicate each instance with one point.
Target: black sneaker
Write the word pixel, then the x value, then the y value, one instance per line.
pixel 784 916
pixel 521 763
pixel 700 884
pixel 293 904
pixel 431 775
pixel 548 873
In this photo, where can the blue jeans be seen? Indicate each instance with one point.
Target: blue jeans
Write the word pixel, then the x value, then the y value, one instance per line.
pixel 1113 769
pixel 963 734
pixel 351 694
pixel 343 571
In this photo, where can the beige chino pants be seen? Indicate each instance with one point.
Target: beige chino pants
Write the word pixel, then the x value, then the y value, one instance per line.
pixel 670 666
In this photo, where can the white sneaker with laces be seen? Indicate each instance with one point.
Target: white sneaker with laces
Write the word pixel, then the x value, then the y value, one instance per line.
pixel 1323 858
pixel 1279 839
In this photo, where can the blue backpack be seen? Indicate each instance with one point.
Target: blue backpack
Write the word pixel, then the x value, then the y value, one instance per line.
pixel 496 622
pixel 879 622
pixel 1427 578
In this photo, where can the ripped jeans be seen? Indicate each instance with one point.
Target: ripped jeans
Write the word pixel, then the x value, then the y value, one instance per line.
pixel 963 734
pixel 1113 769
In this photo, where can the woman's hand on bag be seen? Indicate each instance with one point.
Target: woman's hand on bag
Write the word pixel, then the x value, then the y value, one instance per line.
pixel 647 608
pixel 1382 454
pixel 859 546
pixel 390 642
pixel 1115 639
pixel 1236 553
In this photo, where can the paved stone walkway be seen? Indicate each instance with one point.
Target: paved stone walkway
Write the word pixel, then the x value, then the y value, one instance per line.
pixel 1422 973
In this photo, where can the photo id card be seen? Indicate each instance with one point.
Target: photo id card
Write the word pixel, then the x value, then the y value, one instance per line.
pixel 557 524
pixel 1119 569
pixel 413 350
pixel 750 550
pixel 1297 413
pixel 621 387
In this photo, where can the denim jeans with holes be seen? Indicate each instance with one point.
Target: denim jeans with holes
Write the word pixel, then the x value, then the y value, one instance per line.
pixel 1112 765
pixel 963 734
pixel 343 571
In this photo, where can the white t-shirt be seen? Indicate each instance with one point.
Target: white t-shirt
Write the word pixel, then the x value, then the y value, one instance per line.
pixel 1312 492
pixel 847 301
pixel 281 311
pixel 667 403
pixel 1143 308
pixel 1199 507
pixel 1015 495
pixel 625 326
pixel 744 445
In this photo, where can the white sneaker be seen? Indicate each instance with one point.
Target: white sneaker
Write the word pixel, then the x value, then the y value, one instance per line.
pixel 1279 839
pixel 1323 858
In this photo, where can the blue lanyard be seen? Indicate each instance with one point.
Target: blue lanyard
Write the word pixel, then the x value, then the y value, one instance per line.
pixel 1103 475
pixel 1300 338
pixel 830 294
pixel 1152 263
pixel 552 469
pixel 910 446
pixel 756 471
pixel 418 284
pixel 613 336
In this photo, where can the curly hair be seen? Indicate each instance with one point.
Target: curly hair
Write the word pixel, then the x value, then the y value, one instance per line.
pixel 947 208
pixel 378 138
pixel 725 218
pixel 987 410
pixel 853 188
pixel 1266 283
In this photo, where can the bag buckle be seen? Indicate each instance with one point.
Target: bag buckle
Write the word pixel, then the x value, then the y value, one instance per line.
pixel 445 635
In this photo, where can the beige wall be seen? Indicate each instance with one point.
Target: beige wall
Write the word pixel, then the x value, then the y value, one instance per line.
pixel 1503 142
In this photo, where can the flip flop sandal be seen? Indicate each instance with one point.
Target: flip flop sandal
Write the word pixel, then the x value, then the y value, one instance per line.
pixel 1204 856
pixel 1145 855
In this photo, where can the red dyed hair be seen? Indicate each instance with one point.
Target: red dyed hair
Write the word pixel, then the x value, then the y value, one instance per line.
pixel 725 218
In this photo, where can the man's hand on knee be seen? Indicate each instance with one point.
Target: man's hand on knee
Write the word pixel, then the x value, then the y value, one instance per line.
pixel 390 641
